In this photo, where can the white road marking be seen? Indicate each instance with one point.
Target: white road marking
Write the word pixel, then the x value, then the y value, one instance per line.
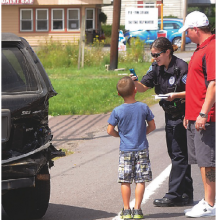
pixel 150 189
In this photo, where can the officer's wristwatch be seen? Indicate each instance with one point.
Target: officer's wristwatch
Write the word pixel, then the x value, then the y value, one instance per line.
pixel 203 115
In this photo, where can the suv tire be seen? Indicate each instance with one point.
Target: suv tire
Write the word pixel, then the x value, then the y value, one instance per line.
pixel 28 203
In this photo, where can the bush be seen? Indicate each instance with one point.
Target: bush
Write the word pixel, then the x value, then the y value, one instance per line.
pixel 169 16
pixel 135 52
pixel 107 29
pixel 102 18
pixel 212 22
pixel 56 55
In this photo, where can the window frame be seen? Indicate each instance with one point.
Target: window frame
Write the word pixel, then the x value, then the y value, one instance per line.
pixel 63 19
pixel 73 9
pixel 36 19
pixel 93 20
pixel 26 9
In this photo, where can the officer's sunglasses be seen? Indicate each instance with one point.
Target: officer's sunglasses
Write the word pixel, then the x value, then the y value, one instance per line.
pixel 156 55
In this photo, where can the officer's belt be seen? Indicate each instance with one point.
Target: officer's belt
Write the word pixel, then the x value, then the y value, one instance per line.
pixel 174 108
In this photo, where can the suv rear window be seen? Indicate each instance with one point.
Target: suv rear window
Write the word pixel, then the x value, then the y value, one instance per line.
pixel 17 74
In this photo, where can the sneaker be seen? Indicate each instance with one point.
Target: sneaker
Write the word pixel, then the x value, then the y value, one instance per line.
pixel 137 214
pixel 126 214
pixel 202 209
pixel 187 210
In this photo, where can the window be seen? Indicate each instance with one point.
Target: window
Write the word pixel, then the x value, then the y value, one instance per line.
pixel 176 26
pixel 168 26
pixel 26 20
pixel 73 19
pixel 57 19
pixel 41 19
pixel 17 75
pixel 149 5
pixel 90 18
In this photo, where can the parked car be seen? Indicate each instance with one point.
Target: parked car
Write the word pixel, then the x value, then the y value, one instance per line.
pixel 27 151
pixel 170 30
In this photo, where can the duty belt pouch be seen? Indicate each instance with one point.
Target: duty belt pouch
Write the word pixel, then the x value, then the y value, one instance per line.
pixel 175 108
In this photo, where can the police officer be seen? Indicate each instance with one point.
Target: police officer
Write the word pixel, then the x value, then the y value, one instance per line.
pixel 167 75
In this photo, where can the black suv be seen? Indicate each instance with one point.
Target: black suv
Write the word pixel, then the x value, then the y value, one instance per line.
pixel 27 152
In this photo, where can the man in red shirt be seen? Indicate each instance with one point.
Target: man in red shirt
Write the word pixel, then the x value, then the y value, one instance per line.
pixel 200 109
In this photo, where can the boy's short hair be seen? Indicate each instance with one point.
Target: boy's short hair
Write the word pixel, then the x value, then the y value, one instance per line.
pixel 125 86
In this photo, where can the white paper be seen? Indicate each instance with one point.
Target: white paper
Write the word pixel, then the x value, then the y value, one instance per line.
pixel 161 96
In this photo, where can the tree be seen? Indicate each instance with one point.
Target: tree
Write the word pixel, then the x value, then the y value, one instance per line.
pixel 102 18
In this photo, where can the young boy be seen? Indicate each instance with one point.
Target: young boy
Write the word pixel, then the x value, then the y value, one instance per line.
pixel 134 163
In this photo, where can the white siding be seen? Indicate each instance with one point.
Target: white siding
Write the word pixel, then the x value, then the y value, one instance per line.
pixel 174 8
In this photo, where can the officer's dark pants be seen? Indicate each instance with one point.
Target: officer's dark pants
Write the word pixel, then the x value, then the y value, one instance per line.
pixel 180 180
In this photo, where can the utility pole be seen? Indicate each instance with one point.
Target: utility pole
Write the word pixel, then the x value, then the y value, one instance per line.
pixel 161 14
pixel 82 43
pixel 184 16
pixel 115 35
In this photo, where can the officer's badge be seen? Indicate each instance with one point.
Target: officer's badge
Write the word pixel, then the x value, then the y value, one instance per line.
pixel 150 69
pixel 184 78
pixel 171 80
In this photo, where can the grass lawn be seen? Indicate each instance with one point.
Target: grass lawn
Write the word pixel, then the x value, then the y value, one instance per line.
pixel 91 90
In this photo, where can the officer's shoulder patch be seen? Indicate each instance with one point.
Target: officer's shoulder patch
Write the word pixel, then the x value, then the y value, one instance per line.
pixel 150 69
pixel 184 78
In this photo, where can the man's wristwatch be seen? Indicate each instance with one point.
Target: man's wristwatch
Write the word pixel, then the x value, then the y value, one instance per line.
pixel 203 115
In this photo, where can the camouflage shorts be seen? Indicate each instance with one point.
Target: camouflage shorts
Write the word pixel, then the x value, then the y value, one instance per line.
pixel 134 166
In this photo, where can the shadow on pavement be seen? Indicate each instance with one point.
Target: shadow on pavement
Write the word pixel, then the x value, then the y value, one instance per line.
pixel 66 212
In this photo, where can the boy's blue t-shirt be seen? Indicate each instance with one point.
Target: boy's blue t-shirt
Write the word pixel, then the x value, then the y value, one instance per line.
pixel 131 121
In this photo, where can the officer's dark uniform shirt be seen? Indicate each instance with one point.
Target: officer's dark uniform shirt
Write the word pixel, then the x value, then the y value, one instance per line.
pixel 165 81
pixel 168 80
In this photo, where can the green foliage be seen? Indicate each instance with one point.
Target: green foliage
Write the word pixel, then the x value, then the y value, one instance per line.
pixel 91 90
pixel 56 55
pixel 135 52
pixel 209 11
pixel 169 16
pixel 107 29
pixel 212 22
pixel 102 17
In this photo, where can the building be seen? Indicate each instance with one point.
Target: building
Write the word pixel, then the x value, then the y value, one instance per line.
pixel 60 20
pixel 174 8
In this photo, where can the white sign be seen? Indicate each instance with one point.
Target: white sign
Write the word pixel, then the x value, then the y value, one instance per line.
pixel 141 19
